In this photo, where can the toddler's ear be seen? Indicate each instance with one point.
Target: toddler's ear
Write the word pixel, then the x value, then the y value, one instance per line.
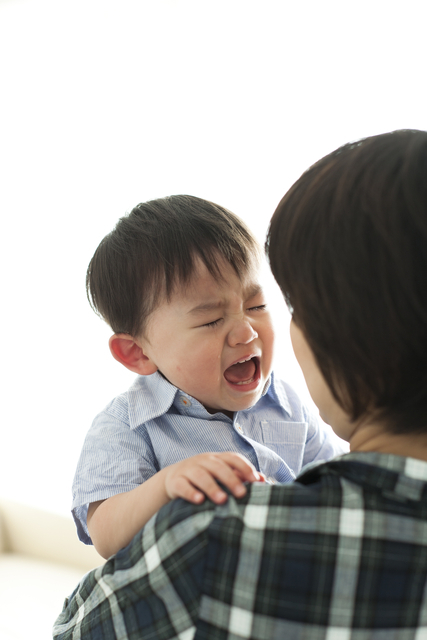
pixel 125 350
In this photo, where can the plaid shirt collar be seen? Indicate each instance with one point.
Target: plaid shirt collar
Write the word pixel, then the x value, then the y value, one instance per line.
pixel 403 478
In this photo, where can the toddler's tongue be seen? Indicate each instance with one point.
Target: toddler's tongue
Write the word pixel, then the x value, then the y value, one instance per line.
pixel 240 372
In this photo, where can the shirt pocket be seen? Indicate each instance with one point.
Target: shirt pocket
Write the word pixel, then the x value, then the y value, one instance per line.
pixel 287 439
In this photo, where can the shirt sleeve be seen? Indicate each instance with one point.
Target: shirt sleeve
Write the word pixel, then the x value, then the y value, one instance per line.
pixel 114 459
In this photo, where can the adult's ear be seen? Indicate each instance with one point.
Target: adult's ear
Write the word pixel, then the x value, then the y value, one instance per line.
pixel 130 354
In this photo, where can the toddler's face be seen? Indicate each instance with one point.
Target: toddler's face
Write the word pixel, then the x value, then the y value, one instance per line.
pixel 214 340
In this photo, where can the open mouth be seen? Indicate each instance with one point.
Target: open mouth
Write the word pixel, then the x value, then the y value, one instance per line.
pixel 243 372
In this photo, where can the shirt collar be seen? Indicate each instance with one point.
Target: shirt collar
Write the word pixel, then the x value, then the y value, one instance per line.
pixel 148 398
pixel 152 396
pixel 279 392
pixel 396 476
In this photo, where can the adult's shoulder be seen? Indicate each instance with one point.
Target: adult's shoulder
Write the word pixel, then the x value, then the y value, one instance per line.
pixel 264 501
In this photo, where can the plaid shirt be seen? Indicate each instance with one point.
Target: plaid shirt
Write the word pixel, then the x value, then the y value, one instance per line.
pixel 341 554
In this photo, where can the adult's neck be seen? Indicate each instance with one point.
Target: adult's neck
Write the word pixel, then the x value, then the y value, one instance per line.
pixel 374 437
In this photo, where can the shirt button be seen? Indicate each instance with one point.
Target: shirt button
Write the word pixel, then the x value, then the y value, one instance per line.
pixel 239 428
pixel 185 401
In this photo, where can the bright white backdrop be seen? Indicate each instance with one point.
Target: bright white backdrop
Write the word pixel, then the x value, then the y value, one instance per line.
pixel 104 104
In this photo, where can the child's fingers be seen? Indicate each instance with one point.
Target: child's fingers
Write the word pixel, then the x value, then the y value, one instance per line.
pixel 204 477
pixel 212 468
pixel 195 485
pixel 200 473
pixel 180 487
pixel 243 468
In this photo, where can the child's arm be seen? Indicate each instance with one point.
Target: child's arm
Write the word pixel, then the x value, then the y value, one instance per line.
pixel 112 523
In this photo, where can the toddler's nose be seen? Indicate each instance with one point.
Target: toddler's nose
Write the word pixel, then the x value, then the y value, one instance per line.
pixel 242 333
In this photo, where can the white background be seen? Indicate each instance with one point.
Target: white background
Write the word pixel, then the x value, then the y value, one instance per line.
pixel 104 104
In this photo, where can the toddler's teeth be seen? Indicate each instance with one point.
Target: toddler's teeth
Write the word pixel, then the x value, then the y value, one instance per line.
pixel 245 381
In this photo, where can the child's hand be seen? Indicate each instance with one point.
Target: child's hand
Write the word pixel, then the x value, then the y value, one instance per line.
pixel 194 478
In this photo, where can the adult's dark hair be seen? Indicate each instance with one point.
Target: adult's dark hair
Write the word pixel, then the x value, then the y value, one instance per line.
pixel 153 249
pixel 348 247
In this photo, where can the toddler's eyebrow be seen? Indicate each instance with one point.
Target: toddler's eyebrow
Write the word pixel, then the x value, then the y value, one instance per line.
pixel 207 306
pixel 251 292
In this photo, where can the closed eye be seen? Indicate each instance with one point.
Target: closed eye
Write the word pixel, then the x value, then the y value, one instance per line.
pixel 214 323
pixel 260 307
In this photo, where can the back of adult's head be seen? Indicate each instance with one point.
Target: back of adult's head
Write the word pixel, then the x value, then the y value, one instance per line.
pixel 348 247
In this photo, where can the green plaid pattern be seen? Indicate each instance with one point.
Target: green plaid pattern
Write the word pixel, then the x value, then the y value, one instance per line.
pixel 339 555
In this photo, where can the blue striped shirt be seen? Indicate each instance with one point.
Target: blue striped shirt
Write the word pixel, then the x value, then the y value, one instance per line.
pixel 154 424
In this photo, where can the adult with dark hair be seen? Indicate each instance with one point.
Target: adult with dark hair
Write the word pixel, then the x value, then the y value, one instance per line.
pixel 342 552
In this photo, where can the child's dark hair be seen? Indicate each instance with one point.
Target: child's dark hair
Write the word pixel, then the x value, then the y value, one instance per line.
pixel 348 247
pixel 153 249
